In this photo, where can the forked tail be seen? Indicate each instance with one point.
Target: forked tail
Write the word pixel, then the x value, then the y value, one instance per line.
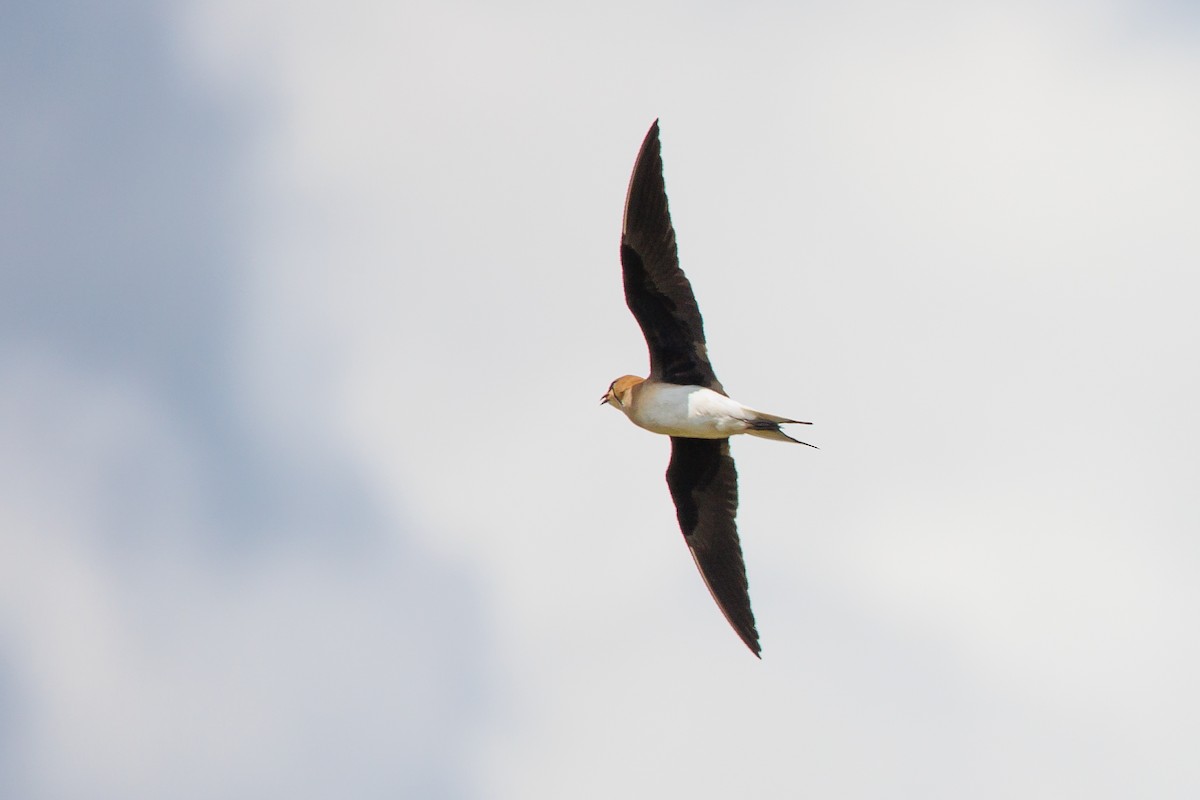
pixel 766 426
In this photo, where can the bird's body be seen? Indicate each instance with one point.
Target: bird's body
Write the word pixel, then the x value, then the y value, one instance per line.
pixel 690 411
pixel 693 412
pixel 682 397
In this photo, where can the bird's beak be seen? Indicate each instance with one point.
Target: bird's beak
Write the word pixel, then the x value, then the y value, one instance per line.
pixel 604 400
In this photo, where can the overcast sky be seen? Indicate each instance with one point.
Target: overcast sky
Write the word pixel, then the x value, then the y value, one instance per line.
pixel 305 310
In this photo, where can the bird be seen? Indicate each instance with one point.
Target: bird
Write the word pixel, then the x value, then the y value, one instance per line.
pixel 682 398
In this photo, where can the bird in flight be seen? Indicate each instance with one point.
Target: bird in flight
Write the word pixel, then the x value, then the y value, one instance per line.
pixel 682 397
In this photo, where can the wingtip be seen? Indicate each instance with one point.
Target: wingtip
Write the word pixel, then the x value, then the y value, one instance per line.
pixel 743 626
pixel 646 179
pixel 652 135
pixel 749 636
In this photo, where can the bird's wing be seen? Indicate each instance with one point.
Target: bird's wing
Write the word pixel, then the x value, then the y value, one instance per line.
pixel 656 290
pixel 703 483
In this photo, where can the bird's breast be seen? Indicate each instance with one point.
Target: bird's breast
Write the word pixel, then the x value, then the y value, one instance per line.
pixel 690 411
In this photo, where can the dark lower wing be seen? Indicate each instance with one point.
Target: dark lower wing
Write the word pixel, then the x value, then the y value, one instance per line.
pixel 703 483
pixel 656 290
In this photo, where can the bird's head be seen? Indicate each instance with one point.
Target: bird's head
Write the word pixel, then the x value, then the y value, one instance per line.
pixel 620 391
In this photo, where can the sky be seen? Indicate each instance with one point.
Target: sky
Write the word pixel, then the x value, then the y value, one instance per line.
pixel 305 311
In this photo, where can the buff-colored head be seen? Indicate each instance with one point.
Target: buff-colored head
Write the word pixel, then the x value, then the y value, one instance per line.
pixel 620 391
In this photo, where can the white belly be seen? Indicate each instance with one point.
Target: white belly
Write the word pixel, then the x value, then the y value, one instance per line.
pixel 691 411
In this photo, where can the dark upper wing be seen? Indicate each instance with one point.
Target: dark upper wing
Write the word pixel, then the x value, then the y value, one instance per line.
pixel 703 484
pixel 656 290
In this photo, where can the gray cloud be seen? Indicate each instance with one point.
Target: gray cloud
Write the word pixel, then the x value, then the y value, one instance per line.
pixel 190 608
